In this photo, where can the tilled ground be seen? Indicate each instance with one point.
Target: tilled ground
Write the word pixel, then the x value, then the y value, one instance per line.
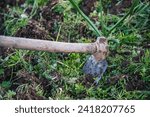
pixel 28 84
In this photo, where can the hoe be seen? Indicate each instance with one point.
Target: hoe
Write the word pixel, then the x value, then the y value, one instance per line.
pixel 95 65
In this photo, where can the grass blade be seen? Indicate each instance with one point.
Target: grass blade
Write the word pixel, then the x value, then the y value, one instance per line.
pixel 125 16
pixel 98 33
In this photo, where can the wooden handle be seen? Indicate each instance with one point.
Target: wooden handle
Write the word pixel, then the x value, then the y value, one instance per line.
pixel 44 45
pixel 52 46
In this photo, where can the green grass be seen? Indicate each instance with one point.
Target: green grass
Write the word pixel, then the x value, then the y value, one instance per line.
pixel 128 59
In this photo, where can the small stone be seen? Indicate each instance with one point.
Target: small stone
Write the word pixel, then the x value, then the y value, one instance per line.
pixel 24 16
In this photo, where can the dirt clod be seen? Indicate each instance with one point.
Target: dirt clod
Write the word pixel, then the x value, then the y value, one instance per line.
pixel 120 7
pixel 27 85
pixel 135 83
pixel 33 30
pixel 87 6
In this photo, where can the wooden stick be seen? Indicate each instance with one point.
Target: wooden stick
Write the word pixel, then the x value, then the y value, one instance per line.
pixel 43 45
pixel 98 48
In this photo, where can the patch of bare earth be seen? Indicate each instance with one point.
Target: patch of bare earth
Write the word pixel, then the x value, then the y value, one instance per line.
pixel 88 6
pixel 27 86
pixel 41 28
pixel 4 3
pixel 119 7
pixel 33 30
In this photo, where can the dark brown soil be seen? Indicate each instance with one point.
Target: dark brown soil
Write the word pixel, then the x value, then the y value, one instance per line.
pixel 43 28
pixel 26 85
pixel 115 79
pixel 87 81
pixel 88 6
pixel 133 80
pixel 4 3
pixel 139 56
pixel 146 43
pixel 119 8
pixel 48 14
pixel 3 9
pixel 4 52
pixel 115 8
pixel 1 22
pixel 135 83
pixel 51 18
pixel 34 29
pixel 28 94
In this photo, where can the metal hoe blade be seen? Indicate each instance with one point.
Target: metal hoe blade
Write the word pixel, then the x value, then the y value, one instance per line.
pixel 95 68
pixel 96 64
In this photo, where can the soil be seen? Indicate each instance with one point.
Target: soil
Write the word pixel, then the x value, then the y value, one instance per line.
pixel 34 29
pixel 4 52
pixel 45 29
pixel 3 8
pixel 115 8
pixel 1 22
pixel 4 3
pixel 51 18
pixel 42 28
pixel 49 14
pixel 26 85
pixel 135 83
pixel 119 8
pixel 146 43
pixel 115 79
pixel 87 6
pixel 87 81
